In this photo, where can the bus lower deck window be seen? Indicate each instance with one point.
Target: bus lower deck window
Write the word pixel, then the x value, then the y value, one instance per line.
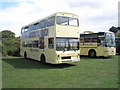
pixel 51 42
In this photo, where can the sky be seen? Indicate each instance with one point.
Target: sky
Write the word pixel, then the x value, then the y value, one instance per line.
pixel 94 15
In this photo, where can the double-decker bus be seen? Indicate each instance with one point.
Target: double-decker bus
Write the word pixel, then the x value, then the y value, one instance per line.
pixel 97 44
pixel 54 39
pixel 117 40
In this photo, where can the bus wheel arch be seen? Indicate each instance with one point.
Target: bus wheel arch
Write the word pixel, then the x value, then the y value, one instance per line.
pixel 25 54
pixel 43 58
pixel 92 53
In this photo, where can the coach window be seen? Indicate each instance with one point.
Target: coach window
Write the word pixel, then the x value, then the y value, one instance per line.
pixel 51 21
pixel 87 39
pixel 41 43
pixel 30 27
pixel 43 24
pixel 23 44
pixel 26 44
pixel 22 30
pixel 30 44
pixel 51 43
pixel 82 39
pixel 26 29
pixel 35 44
pixel 36 25
pixel 93 39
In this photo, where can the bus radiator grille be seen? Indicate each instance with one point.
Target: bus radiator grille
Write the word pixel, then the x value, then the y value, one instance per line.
pixel 68 57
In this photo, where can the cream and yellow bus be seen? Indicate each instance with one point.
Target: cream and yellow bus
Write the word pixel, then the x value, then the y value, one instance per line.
pixel 54 39
pixel 97 44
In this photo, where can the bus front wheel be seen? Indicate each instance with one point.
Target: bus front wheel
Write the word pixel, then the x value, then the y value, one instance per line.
pixel 43 59
pixel 92 53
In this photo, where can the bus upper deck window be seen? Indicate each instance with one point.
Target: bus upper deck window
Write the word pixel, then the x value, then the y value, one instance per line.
pixel 26 29
pixel 22 30
pixel 51 21
pixel 73 22
pixel 62 20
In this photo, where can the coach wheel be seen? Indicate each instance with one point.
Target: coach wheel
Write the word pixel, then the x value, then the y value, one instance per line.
pixel 25 54
pixel 43 60
pixel 92 53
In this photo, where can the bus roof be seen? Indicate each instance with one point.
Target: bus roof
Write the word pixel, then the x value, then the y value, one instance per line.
pixel 66 14
pixel 55 14
pixel 100 33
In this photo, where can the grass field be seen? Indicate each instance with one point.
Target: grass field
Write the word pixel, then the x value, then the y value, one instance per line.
pixel 88 73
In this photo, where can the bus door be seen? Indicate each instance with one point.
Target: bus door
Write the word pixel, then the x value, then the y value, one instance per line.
pixel 101 43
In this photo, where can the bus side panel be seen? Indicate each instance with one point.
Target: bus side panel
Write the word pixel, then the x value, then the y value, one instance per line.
pixel 86 47
pixel 109 51
pixel 100 51
pixel 33 53
pixel 84 51
pixel 23 50
pixel 106 51
pixel 49 53
pixel 50 56
pixel 36 54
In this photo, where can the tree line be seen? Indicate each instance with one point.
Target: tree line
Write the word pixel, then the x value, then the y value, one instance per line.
pixel 10 45
pixel 115 30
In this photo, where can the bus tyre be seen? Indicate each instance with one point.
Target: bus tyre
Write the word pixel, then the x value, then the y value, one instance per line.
pixel 42 58
pixel 92 53
pixel 25 54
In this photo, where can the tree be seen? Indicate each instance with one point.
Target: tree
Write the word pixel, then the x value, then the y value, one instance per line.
pixel 117 34
pixel 113 29
pixel 118 28
pixel 8 34
pixel 10 44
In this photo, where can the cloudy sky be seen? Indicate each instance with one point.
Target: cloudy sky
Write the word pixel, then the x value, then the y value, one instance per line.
pixel 94 15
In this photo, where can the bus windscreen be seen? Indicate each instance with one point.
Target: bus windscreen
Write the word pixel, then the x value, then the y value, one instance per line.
pixel 67 44
pixel 61 20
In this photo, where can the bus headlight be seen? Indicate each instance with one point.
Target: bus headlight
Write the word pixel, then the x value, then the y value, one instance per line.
pixel 58 57
pixel 78 56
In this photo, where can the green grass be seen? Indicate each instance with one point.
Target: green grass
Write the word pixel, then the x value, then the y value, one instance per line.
pixel 88 73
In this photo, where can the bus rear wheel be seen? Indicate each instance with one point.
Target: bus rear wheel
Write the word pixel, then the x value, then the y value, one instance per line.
pixel 43 59
pixel 25 54
pixel 92 53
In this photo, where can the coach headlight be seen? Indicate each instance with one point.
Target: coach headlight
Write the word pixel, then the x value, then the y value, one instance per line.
pixel 78 56
pixel 58 57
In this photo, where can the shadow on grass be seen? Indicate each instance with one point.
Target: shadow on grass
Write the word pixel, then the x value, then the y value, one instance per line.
pixel 33 64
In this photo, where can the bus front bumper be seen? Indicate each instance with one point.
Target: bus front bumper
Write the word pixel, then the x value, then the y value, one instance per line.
pixel 109 53
pixel 67 56
pixel 67 61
